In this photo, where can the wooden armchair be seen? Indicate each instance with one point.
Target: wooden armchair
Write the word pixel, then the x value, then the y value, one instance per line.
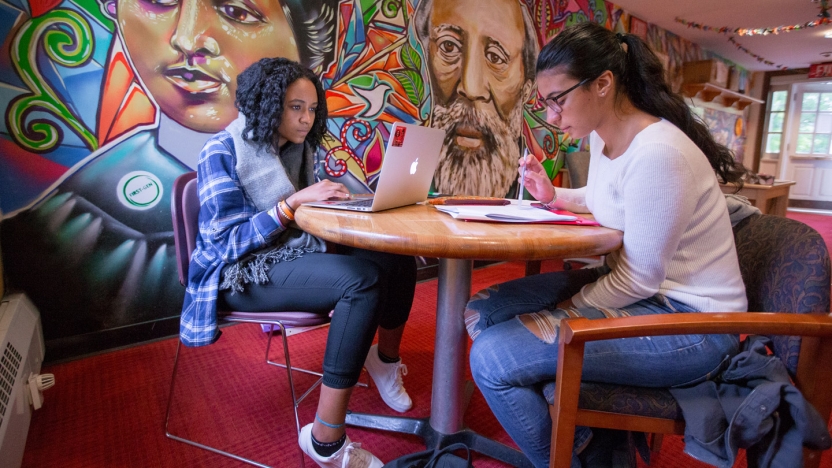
pixel 786 269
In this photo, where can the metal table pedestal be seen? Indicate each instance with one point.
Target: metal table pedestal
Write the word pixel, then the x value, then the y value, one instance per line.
pixel 450 394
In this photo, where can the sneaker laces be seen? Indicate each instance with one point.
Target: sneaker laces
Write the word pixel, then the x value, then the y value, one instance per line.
pixel 399 383
pixel 354 453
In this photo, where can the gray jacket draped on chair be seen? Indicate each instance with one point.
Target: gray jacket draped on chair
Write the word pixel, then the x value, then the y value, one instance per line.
pixel 751 405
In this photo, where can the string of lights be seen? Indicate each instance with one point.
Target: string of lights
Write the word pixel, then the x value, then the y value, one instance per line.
pixel 823 19
pixel 757 57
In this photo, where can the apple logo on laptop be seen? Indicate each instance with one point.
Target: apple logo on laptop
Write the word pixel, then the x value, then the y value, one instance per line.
pixel 413 166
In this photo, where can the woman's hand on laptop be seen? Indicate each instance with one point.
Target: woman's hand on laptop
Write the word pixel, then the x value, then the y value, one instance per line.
pixel 323 190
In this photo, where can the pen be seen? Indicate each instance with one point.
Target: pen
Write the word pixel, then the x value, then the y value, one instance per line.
pixel 523 175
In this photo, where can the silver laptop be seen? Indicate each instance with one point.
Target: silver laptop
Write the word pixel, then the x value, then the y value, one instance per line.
pixel 410 160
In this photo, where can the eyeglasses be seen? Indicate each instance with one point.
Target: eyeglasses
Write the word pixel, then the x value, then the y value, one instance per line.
pixel 555 103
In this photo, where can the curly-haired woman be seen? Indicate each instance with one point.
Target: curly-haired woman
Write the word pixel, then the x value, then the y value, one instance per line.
pixel 249 256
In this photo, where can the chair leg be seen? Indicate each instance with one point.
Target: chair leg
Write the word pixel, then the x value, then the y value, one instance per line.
pixel 533 267
pixel 288 367
pixel 298 369
pixel 656 442
pixel 564 411
pixel 191 442
pixel 172 385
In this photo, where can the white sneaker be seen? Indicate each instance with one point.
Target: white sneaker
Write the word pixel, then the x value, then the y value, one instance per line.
pixel 351 455
pixel 388 379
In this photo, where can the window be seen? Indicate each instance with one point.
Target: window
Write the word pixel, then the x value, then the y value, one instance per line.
pixel 776 123
pixel 815 128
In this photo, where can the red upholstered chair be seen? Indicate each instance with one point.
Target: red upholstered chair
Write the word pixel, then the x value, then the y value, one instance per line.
pixel 786 269
pixel 185 211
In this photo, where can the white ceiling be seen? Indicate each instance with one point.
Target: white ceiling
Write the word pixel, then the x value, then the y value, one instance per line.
pixel 797 49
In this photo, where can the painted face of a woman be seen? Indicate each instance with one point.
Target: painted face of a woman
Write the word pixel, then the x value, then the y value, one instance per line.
pixel 188 53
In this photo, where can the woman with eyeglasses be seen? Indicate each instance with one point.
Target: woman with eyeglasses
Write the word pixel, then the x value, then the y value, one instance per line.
pixel 654 174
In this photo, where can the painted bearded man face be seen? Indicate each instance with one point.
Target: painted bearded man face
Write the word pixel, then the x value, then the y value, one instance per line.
pixel 481 60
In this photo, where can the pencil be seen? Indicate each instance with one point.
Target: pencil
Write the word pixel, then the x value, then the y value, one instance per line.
pixel 523 175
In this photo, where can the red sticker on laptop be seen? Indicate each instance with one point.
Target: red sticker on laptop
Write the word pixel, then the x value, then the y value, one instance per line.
pixel 398 136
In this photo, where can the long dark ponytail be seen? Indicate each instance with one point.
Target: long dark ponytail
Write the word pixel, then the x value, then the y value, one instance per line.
pixel 587 49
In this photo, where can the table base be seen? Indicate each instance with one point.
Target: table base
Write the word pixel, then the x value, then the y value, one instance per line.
pixel 434 439
pixel 450 393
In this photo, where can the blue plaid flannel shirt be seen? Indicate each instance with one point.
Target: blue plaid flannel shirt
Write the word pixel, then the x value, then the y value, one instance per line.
pixel 230 227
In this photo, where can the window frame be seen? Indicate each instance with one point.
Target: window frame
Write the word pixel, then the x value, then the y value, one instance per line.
pixel 784 132
pixel 800 92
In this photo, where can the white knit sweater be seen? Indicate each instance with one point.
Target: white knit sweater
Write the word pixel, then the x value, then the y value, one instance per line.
pixel 663 194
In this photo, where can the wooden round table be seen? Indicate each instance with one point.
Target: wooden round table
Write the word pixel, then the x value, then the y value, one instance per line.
pixel 421 230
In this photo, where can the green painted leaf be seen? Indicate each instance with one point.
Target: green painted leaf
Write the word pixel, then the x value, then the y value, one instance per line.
pixel 412 83
pixel 411 57
pixel 407 59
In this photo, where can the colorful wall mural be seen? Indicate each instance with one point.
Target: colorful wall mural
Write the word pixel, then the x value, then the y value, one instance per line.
pixel 106 102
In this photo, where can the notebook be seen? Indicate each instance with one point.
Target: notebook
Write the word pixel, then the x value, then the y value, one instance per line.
pixel 522 212
pixel 410 160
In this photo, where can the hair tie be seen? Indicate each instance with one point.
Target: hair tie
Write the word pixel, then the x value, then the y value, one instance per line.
pixel 622 41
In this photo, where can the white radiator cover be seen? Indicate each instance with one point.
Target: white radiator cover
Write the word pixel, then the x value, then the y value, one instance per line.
pixel 21 355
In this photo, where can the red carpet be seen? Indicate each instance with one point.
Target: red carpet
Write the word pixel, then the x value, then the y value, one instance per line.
pixel 821 223
pixel 108 410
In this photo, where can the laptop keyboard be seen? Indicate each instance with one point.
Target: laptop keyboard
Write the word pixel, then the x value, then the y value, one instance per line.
pixel 368 202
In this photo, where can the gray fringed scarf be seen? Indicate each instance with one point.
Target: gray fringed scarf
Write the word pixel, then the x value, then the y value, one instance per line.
pixel 265 182
pixel 739 208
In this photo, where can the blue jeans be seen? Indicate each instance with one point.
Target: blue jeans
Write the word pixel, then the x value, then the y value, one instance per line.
pixel 509 362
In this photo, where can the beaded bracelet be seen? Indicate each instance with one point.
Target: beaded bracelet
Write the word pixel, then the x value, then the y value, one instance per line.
pixel 289 210
pixel 284 209
pixel 286 221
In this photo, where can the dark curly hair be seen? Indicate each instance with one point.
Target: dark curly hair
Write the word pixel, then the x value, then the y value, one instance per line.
pixel 586 50
pixel 261 89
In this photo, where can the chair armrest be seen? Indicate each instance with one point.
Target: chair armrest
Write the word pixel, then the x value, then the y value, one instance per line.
pixel 575 332
pixel 759 323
